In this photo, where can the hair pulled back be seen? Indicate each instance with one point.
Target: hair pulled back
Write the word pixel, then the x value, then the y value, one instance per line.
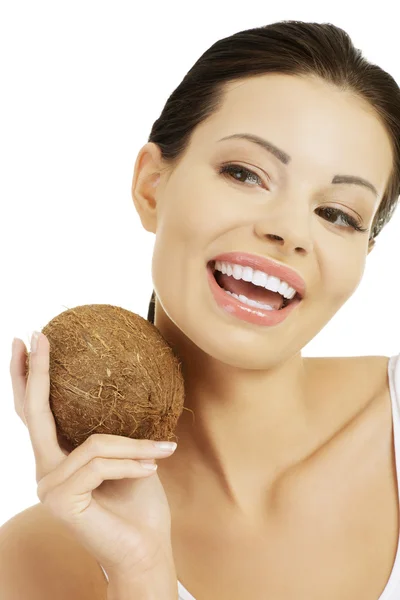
pixel 287 47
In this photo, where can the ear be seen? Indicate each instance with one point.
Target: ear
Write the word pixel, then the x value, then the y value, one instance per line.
pixel 146 177
pixel 371 245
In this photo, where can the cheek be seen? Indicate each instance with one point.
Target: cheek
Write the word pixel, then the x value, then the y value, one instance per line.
pixel 342 279
pixel 188 214
pixel 183 233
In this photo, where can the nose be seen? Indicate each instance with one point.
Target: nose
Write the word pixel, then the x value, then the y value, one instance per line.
pixel 288 244
pixel 288 227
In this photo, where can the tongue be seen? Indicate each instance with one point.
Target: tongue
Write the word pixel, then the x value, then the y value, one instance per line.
pixel 248 289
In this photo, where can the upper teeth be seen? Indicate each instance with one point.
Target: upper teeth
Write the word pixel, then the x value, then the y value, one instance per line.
pixel 259 278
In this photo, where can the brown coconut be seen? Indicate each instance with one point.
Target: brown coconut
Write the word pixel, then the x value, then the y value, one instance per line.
pixel 111 371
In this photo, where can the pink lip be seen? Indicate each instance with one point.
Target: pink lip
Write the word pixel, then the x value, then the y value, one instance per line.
pixel 255 316
pixel 267 266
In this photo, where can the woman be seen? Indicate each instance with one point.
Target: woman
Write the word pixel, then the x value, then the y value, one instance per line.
pixel 274 166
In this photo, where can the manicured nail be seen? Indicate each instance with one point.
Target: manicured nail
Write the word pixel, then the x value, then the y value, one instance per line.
pixel 34 341
pixel 165 446
pixel 148 465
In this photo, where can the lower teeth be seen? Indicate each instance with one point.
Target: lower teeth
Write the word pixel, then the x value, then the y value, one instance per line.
pixel 252 303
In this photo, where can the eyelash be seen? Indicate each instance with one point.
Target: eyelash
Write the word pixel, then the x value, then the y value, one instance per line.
pixel 230 168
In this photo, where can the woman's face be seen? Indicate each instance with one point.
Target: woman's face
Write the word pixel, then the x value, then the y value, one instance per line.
pixel 278 212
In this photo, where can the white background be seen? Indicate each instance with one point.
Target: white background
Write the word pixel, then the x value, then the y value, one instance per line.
pixel 81 84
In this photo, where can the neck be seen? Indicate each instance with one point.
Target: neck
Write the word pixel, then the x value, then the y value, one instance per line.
pixel 241 430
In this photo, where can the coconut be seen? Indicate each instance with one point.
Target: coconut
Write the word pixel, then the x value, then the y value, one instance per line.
pixel 111 371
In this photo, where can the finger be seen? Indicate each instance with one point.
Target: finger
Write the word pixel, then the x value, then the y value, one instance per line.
pixel 18 376
pixel 88 477
pixel 40 420
pixel 103 446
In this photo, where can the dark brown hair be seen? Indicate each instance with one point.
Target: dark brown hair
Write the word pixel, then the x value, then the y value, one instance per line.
pixel 291 47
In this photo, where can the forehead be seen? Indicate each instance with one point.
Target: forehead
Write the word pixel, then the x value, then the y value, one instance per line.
pixel 316 123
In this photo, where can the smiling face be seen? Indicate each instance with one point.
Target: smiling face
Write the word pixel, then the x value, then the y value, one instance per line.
pixel 286 209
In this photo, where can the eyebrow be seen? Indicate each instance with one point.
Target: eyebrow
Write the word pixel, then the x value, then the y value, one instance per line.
pixel 285 159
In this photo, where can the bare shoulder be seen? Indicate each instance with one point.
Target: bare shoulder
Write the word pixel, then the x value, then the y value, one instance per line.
pixel 357 364
pixel 363 375
pixel 41 558
pixel 368 373
pixel 354 386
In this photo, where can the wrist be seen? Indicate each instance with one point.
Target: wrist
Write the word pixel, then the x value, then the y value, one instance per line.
pixel 159 584
pixel 143 590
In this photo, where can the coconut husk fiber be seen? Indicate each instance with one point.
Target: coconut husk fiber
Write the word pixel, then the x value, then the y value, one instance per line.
pixel 111 371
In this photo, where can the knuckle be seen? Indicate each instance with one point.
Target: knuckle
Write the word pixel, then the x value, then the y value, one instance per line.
pixel 96 464
pixel 143 446
pixel 28 409
pixel 41 365
pixel 92 443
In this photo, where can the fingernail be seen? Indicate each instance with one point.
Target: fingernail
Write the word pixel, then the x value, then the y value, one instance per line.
pixel 13 346
pixel 34 341
pixel 148 465
pixel 166 446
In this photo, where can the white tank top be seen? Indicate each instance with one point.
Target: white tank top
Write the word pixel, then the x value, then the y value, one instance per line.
pixel 392 588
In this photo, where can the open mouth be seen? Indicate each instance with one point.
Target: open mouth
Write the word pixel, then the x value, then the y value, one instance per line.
pixel 252 292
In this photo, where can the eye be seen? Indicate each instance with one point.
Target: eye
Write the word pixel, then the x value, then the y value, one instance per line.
pixel 336 213
pixel 231 169
pixel 241 174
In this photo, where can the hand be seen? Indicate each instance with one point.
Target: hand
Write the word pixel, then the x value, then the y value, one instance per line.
pixel 117 509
